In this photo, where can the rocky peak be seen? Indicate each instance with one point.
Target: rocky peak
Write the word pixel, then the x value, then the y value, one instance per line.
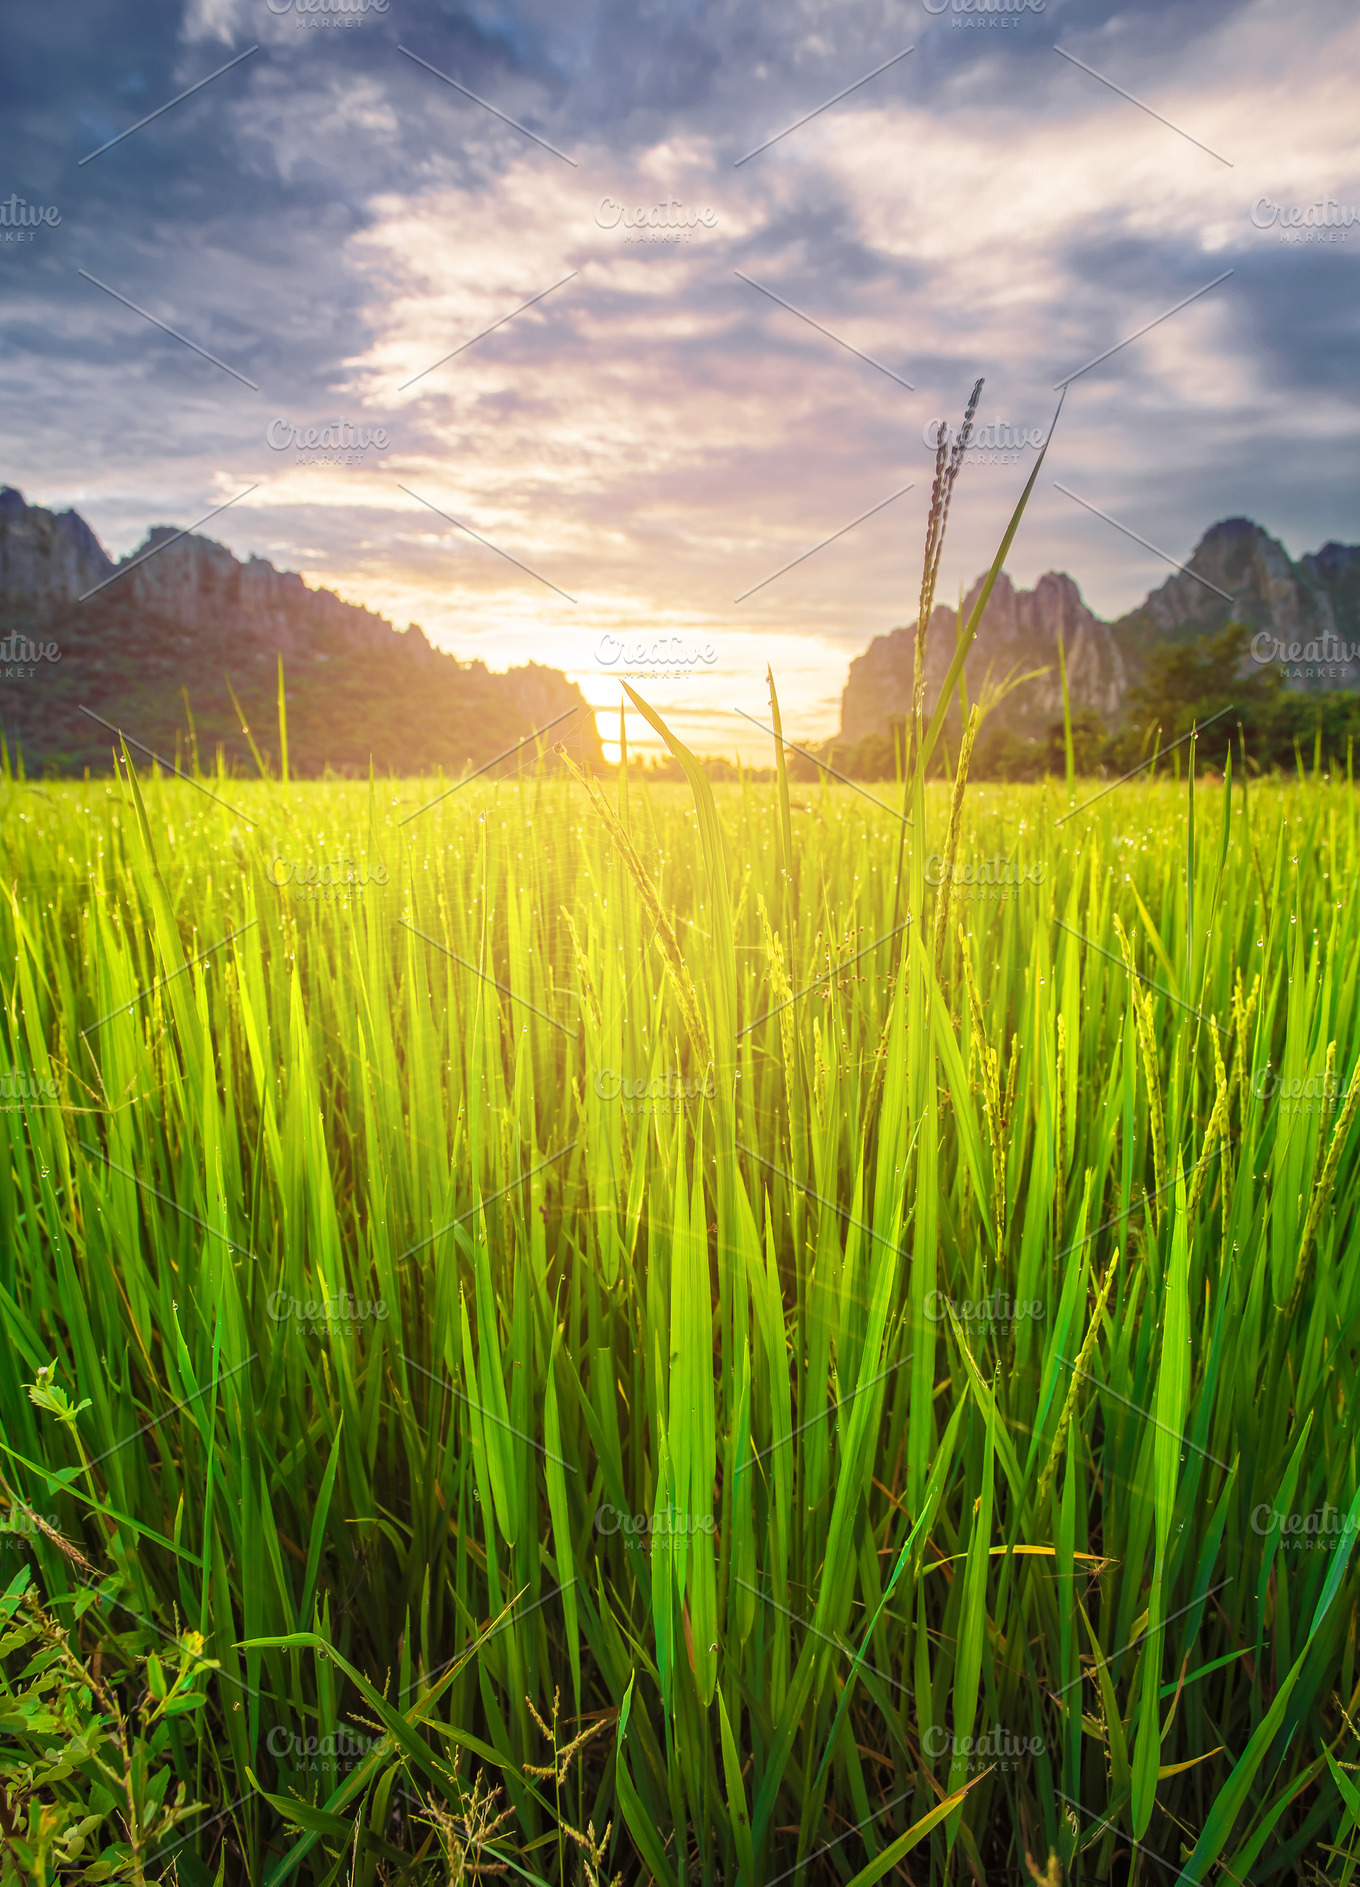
pixel 185 614
pixel 1019 631
pixel 1238 572
pixel 208 591
pixel 46 557
pixel 1247 576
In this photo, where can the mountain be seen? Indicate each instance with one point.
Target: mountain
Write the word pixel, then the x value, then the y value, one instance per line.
pixel 158 650
pixel 1336 569
pixel 1018 633
pixel 1238 572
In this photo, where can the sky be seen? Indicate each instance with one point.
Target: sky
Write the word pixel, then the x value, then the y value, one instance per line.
pixel 765 244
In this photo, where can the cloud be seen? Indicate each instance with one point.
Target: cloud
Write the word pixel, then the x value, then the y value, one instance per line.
pixel 656 436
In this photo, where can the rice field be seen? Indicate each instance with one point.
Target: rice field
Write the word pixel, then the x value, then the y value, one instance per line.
pixel 704 1335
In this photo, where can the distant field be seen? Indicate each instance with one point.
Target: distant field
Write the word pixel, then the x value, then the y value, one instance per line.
pixel 896 1388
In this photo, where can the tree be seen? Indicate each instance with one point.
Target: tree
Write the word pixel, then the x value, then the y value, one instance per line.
pixel 1186 684
pixel 1088 743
